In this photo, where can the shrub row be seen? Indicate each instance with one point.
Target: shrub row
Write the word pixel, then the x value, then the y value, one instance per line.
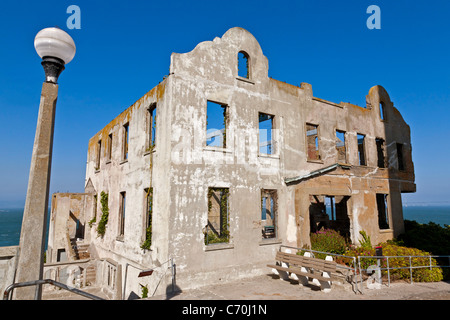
pixel 331 241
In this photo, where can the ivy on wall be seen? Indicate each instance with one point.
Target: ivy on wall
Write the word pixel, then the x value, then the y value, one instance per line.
pixel 101 228
pixel 148 232
pixel 224 235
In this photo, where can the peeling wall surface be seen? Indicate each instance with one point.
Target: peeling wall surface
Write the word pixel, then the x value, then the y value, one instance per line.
pixel 181 167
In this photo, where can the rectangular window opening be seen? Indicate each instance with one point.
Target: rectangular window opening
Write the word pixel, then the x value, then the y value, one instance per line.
pixel 381 147
pixel 269 203
pixel 266 145
pixel 383 212
pixel 148 218
pixel 340 146
pixel 361 150
pixel 126 138
pixel 110 137
pixel 123 197
pixel 151 127
pixel 216 125
pixel 312 140
pixel 329 212
pixel 217 229
pixel 99 155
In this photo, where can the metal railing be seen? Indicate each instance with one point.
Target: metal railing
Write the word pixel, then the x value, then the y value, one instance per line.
pixel 410 267
pixel 10 288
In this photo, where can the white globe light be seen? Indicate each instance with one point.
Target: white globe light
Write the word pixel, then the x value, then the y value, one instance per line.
pixel 56 43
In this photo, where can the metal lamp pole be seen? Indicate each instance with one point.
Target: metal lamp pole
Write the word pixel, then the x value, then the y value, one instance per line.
pixel 56 48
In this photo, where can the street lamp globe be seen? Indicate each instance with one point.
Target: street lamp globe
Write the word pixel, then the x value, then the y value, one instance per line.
pixel 56 48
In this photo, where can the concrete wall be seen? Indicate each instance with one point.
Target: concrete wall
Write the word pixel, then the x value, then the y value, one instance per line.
pixel 8 264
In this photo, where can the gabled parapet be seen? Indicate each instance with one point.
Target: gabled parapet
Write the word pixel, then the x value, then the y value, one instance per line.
pixel 218 59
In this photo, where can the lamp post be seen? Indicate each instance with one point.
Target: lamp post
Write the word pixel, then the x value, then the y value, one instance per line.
pixel 56 48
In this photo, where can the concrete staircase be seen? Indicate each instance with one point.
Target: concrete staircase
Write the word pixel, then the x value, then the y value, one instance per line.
pixel 81 250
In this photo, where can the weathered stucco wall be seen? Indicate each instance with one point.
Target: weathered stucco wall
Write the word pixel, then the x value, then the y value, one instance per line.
pixel 182 167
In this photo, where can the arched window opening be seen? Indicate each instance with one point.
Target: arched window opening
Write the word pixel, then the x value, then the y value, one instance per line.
pixel 243 65
pixel 382 111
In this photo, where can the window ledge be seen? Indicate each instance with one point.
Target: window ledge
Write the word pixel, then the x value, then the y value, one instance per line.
pixel 264 242
pixel 123 161
pixel 386 231
pixel 219 246
pixel 120 238
pixel 269 156
pixel 245 80
pixel 217 149
pixel 315 161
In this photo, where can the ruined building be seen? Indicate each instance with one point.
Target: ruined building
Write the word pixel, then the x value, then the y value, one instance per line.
pixel 218 165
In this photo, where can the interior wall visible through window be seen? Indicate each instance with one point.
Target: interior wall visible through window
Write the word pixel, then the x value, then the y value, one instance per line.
pixel 216 124
pixel 312 141
pixel 383 212
pixel 340 146
pixel 361 149
pixel 265 129
pixel 269 204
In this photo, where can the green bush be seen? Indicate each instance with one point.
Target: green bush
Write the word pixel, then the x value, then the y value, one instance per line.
pixel 392 249
pixel 328 240
pixel 418 275
pixel 430 237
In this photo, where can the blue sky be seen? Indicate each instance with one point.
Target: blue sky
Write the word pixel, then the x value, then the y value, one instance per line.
pixel 124 47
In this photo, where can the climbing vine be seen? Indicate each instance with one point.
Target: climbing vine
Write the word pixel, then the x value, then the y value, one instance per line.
pixel 101 228
pixel 224 236
pixel 148 232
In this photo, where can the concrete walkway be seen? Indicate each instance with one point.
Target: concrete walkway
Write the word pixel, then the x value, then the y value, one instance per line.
pixel 270 287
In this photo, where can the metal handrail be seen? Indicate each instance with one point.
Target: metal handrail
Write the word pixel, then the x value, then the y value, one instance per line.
pixel 410 267
pixel 47 281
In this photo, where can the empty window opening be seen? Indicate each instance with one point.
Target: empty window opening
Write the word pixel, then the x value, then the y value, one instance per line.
pixel 109 146
pixel 216 125
pixel 401 164
pixel 243 65
pixel 123 200
pixel 383 212
pixel 329 212
pixel 94 216
pixel 266 145
pixel 148 218
pixel 381 147
pixel 269 203
pixel 382 111
pixel 361 149
pixel 217 229
pixel 151 127
pixel 312 139
pixel 99 155
pixel 340 146
pixel 126 138
pixel 61 255
pixel 76 228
